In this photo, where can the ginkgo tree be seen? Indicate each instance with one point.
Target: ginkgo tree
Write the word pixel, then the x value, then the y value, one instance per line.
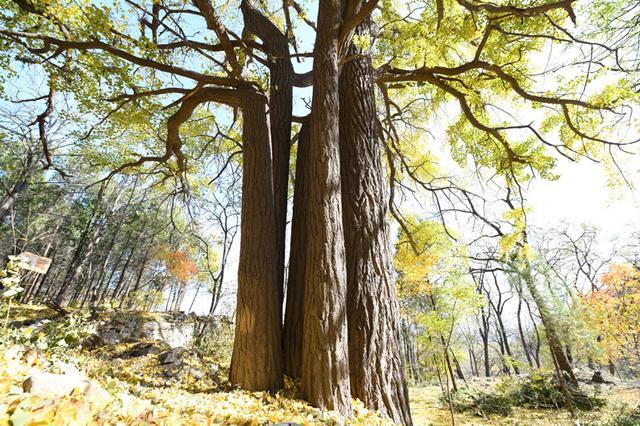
pixel 435 292
pixel 151 68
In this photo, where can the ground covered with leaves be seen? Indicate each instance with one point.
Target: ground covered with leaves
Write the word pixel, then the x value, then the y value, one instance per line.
pixel 130 384
pixel 137 392
pixel 140 382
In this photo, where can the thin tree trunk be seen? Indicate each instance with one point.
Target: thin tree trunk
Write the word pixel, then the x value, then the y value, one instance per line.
pixel 458 367
pixel 75 266
pixel 103 286
pixel 375 335
pixel 294 313
pixel 536 351
pixel 498 309
pixel 123 272
pixel 549 327
pixel 39 278
pixel 473 362
pixel 82 253
pixel 484 334
pixel 523 340
pixel 447 361
pixel 8 201
pixel 410 350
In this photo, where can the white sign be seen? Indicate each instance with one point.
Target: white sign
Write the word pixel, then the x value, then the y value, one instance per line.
pixel 33 262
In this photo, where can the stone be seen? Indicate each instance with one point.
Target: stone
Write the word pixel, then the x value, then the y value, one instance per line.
pixel 94 341
pixel 145 348
pixel 52 386
pixel 197 374
pixel 171 356
pixel 176 332
pixel 597 378
pixel 48 385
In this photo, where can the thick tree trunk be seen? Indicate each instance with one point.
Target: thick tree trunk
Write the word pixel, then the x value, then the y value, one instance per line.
pixel 375 335
pixel 280 107
pixel 294 314
pixel 257 353
pixel 325 359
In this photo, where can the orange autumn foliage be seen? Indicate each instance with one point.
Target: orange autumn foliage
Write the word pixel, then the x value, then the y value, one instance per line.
pixel 614 311
pixel 178 263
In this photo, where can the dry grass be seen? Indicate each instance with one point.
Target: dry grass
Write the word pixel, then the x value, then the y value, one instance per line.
pixel 427 410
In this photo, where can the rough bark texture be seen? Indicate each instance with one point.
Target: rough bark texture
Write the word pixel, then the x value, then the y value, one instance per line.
pixel 280 118
pixel 325 363
pixel 280 107
pixel 375 334
pixel 294 314
pixel 257 355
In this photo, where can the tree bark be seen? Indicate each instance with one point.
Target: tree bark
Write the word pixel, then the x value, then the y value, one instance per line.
pixel 410 351
pixel 375 334
pixel 484 334
pixel 325 359
pixel 256 362
pixel 83 251
pixel 523 340
pixel 536 350
pixel 294 314
pixel 473 362
pixel 553 339
pixel 280 110
pixel 8 201
pixel 458 367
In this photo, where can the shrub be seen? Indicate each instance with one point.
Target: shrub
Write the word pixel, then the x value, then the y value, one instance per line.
pixel 479 402
pixel 53 335
pixel 540 391
pixel 544 391
pixel 537 391
pixel 626 418
pixel 216 340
